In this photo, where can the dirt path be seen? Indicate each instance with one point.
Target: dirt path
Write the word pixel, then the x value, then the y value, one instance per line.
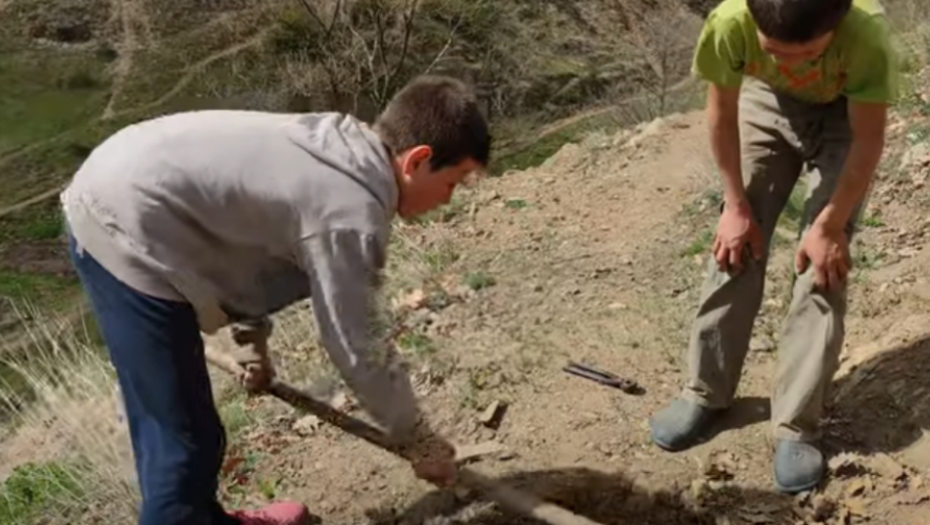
pixel 36 199
pixel 135 27
pixel 194 69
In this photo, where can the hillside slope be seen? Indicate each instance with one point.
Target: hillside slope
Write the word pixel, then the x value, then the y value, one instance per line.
pixel 73 71
pixel 596 256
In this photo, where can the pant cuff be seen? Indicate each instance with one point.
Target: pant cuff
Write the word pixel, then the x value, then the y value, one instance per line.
pixel 787 434
pixel 690 395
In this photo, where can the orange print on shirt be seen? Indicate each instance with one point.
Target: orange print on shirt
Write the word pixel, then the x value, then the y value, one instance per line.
pixel 799 82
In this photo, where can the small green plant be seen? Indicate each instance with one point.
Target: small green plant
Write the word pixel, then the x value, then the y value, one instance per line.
pixel 471 391
pixel 865 260
pixel 918 133
pixel 700 245
pixel 417 344
pixel 873 221
pixel 479 280
pixel 438 300
pixel 235 416
pixel 36 489
pixel 268 488
pixel 710 199
pixel 447 213
pixel 793 213
pixel 441 257
pixel 515 204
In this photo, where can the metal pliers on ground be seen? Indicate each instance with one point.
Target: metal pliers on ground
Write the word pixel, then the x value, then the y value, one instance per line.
pixel 605 378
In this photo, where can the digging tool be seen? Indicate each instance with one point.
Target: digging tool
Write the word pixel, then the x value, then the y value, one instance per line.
pixel 605 378
pixel 508 497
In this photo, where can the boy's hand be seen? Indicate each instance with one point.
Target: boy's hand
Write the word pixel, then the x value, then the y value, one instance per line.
pixel 828 250
pixel 252 354
pixel 737 229
pixel 433 460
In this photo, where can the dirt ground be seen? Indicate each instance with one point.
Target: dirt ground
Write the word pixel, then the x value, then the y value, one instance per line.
pixel 597 257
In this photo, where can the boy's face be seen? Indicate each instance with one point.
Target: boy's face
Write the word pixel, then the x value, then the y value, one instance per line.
pixel 793 54
pixel 422 189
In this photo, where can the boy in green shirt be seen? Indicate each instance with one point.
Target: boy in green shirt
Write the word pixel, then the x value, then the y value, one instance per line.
pixel 796 86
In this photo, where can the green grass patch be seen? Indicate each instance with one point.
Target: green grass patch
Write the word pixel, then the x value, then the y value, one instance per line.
pixel 479 280
pixel 39 490
pixel 417 344
pixel 40 290
pixel 535 154
pixel 873 221
pixel 700 245
pixel 441 257
pixel 918 133
pixel 48 164
pixel 46 92
pixel 793 214
pixel 235 415
pixel 217 84
pixel 40 222
pixel 458 207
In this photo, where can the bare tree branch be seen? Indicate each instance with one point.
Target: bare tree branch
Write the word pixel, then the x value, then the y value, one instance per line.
pixel 445 49
pixel 409 16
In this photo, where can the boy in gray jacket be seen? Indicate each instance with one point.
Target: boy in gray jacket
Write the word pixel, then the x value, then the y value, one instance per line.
pixel 194 221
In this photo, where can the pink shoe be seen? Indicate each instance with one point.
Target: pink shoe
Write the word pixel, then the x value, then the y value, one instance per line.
pixel 281 513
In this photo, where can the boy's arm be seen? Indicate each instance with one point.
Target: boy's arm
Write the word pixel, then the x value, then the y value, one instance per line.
pixel 722 116
pixel 343 266
pixel 719 59
pixel 871 86
pixel 867 122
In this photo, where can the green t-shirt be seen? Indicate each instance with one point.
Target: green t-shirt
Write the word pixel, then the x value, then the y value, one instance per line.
pixel 860 63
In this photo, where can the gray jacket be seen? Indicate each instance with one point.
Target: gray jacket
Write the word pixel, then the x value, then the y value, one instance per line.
pixel 242 213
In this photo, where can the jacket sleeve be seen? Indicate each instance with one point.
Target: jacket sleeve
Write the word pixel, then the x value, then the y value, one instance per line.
pixel 344 268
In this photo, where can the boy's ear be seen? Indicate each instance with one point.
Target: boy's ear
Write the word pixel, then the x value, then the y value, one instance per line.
pixel 414 158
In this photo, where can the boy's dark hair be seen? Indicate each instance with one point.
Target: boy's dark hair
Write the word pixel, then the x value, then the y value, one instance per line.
pixel 439 112
pixel 797 21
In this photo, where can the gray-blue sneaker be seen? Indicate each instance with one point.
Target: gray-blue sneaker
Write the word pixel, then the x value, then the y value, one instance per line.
pixel 680 425
pixel 798 466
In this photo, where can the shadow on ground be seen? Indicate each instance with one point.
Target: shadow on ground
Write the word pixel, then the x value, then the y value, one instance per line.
pixel 745 412
pixel 609 499
pixel 883 405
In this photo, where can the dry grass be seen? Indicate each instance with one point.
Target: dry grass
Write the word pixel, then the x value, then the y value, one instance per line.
pixel 63 411
pixel 60 400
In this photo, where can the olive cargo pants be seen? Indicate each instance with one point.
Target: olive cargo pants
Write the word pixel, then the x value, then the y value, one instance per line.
pixel 782 138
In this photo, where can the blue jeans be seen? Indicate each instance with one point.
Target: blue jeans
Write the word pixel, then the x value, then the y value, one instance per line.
pixel 178 440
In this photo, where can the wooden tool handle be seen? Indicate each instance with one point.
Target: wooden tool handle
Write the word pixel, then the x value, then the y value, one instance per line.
pixel 507 497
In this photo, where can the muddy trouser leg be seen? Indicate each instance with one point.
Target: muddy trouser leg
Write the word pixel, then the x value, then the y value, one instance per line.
pixel 720 334
pixel 177 438
pixel 812 337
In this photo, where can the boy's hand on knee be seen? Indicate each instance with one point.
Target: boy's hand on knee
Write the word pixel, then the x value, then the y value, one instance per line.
pixel 828 251
pixel 736 231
